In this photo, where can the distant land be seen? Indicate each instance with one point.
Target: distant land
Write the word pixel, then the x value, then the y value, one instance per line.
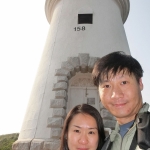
pixel 7 140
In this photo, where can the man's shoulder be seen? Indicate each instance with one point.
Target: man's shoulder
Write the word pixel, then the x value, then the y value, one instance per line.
pixel 144 108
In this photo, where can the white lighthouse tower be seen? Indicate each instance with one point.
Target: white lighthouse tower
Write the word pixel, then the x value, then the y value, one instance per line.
pixel 81 31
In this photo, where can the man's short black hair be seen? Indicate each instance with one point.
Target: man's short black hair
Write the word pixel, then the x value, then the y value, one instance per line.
pixel 115 62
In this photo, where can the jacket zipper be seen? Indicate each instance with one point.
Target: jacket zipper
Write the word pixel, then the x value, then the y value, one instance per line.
pixel 125 135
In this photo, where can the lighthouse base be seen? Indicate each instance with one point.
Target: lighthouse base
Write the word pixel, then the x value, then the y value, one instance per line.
pixel 35 144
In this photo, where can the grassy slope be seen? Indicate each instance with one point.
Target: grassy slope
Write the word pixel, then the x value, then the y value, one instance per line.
pixel 7 140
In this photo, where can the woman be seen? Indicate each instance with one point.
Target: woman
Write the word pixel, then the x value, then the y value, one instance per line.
pixel 83 129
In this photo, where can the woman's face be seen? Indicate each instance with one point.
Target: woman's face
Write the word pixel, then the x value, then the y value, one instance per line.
pixel 82 133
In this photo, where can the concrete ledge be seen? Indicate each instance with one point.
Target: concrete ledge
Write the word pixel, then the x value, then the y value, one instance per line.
pixel 37 144
pixel 74 61
pixel 60 94
pixel 60 86
pixel 55 122
pixel 51 145
pixel 62 72
pixel 91 63
pixel 66 65
pixel 58 112
pixel 84 59
pixel 57 103
pixel 22 144
pixel 55 133
pixel 62 79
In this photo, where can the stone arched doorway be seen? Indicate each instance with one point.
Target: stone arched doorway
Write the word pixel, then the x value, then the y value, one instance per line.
pixel 74 76
pixel 82 90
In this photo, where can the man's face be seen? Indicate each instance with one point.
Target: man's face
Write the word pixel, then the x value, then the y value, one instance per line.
pixel 121 95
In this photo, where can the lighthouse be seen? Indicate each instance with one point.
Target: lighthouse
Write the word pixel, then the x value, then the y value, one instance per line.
pixel 81 31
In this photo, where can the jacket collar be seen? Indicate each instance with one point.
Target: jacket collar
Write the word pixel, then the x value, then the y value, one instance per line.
pixel 144 108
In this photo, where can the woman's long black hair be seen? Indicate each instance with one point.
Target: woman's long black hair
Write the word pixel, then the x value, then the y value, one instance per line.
pixel 85 109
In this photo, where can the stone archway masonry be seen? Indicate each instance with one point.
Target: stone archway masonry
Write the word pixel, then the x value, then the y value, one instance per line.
pixel 84 64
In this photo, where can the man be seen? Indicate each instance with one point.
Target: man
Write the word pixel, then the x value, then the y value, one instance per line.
pixel 119 80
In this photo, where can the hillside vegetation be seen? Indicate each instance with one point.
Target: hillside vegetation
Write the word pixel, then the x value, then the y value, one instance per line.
pixel 7 140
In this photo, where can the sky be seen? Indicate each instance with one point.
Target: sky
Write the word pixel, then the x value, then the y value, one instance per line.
pixel 23 32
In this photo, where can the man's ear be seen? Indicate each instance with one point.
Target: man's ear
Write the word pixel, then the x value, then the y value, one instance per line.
pixel 141 84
